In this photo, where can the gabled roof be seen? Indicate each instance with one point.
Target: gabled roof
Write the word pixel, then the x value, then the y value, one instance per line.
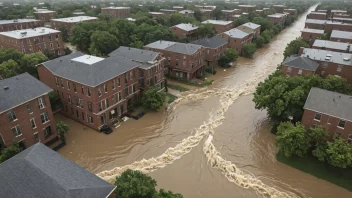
pixel 135 54
pixel 213 42
pixel 89 70
pixel 301 63
pixel 236 33
pixel 186 26
pixel 330 103
pixel 75 19
pixel 20 89
pixel 41 172
pixel 183 48
pixel 160 44
pixel 341 34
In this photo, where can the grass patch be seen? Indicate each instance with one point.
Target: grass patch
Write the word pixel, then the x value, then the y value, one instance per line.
pixel 177 87
pixel 170 97
pixel 309 164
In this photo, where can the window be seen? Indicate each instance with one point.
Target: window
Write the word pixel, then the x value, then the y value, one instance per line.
pixel 69 99
pixel 126 91
pixel 11 115
pixel 289 69
pixel 342 124
pixel 119 96
pixel 62 83
pixel 105 88
pixel 47 132
pixel 82 115
pixel 113 84
pixel 51 45
pixel 80 103
pixel 56 81
pixel 90 106
pixel 118 81
pixel 68 85
pixel 44 117
pixel 131 75
pixel 99 92
pixel 36 137
pixel 317 116
pixel 107 105
pixel 41 103
pixel 339 68
pixel 33 123
pixel 77 114
pixel 325 65
pixel 73 112
pixel 29 108
pixel 337 134
pixel 88 91
pixel 82 89
pixel 16 131
pixel 300 72
pixel 126 76
pixel 90 119
pixel 100 107
pixel 74 88
pixel 77 102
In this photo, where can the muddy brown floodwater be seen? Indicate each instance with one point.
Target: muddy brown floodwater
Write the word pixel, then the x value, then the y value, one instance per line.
pixel 212 143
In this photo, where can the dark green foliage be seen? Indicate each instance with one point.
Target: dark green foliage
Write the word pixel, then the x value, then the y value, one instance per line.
pixel 153 98
pixel 230 56
pixel 267 35
pixel 9 152
pixel 259 41
pixel 206 30
pixel 102 43
pixel 248 50
pixel 62 130
pixel 294 46
pixel 55 100
pixel 64 34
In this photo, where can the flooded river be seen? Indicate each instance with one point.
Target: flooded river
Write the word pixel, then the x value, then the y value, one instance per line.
pixel 212 143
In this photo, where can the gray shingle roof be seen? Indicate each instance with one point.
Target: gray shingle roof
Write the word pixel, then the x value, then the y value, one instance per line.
pixel 40 172
pixel 330 103
pixel 331 44
pixel 236 33
pixel 213 42
pixel 217 22
pixel 18 21
pixel 160 44
pixel 183 48
pixel 341 34
pixel 328 56
pixel 135 54
pixel 301 62
pixel 21 88
pixel 89 74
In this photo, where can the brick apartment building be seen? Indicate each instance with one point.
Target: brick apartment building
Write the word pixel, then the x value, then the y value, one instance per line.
pixel 188 13
pixel 315 24
pixel 341 36
pixel 156 14
pixel 57 176
pixel 277 18
pixel 185 30
pixel 178 8
pixel 33 40
pixel 250 28
pixel 343 20
pixel 69 22
pixel 259 11
pixel 94 91
pixel 317 15
pixel 207 7
pixel 323 11
pixel 151 68
pixel 117 12
pixel 290 11
pixel 310 35
pixel 25 112
pixel 19 24
pixel 45 15
pixel 330 63
pixel 332 46
pixel 342 15
pixel 333 12
pixel 167 11
pixel 214 48
pixel 279 8
pixel 227 14
pixel 297 66
pixel 334 25
pixel 79 14
pixel 247 8
pixel 236 39
pixel 183 60
pixel 331 110
pixel 206 13
pixel 220 25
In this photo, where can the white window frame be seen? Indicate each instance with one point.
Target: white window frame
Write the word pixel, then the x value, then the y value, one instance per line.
pixel 69 99
pixel 46 117
pixel 99 92
pixel 41 103
pixel 35 125
pixel 316 116
pixel 343 125
pixel 339 68
pixel 289 69
pixel 68 85
pixel 18 130
pixel 13 115
pixel 300 71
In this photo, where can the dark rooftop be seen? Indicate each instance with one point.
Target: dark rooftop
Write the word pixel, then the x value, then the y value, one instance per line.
pixel 301 62
pixel 213 42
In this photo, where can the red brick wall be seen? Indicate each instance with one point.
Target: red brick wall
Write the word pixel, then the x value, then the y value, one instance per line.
pixel 45 17
pixel 117 13
pixel 330 49
pixel 23 120
pixel 184 34
pixel 329 122
pixel 314 26
pixel 294 71
pixel 223 28
pixel 343 40
pixel 331 69
pixel 213 54
pixel 20 26
pixel 316 16
pixel 236 43
pixel 310 37
pixel 58 24
pixel 341 27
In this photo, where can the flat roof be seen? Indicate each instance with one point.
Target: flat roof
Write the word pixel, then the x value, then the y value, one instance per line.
pixel 313 31
pixel 328 56
pixel 156 13
pixel 277 15
pixel 75 19
pixel 186 12
pixel 167 10
pixel 116 8
pixel 186 26
pixel 160 44
pixel 342 19
pixel 339 11
pixel 88 59
pixel 18 21
pixel 183 48
pixel 247 6
pixel 177 7
pixel 316 21
pixel 217 22
pixel 236 33
pixel 44 11
pixel 131 19
pixel 341 34
pixel 330 103
pixel 331 44
pixel 27 33
pixel 318 13
pixel 79 13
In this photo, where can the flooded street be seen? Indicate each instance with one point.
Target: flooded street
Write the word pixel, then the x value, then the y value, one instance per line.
pixel 213 143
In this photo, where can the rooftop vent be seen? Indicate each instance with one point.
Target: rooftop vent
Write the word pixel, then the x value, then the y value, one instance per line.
pixel 327 58
pixel 23 34
pixel 6 88
pixel 347 59
pixel 328 55
pixel 43 30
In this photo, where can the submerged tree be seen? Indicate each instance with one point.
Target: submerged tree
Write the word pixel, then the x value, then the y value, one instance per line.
pixel 153 98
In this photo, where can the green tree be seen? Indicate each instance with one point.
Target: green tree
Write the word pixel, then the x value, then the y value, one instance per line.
pixel 9 68
pixel 294 46
pixel 259 41
pixel 62 130
pixel 318 135
pixel 206 30
pixel 241 20
pixel 217 13
pixel 102 43
pixel 230 55
pixel 29 62
pixel 248 50
pixel 80 37
pixel 166 194
pixel 135 184
pixel 264 23
pixel 9 152
pixel 55 100
pixel 339 153
pixel 64 34
pixel 267 35
pixel 198 14
pixel 67 13
pixel 292 140
pixel 153 98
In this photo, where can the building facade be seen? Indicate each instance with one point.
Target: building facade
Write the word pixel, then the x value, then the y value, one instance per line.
pixel 277 18
pixel 19 24
pixel 33 40
pixel 69 22
pixel 45 15
pixel 315 24
pixel 117 12
pixel 247 8
pixel 298 66
pixel 220 25
pixel 185 30
pixel 279 8
pixel 317 15
pixel 183 61
pixel 341 36
pixel 167 11
pixel 310 35
pixel 25 112
pixel 236 39
pixel 94 91
pixel 333 25
pixel 332 46
pixel 331 110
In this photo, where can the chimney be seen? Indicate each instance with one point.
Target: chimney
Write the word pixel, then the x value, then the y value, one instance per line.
pixel 300 52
